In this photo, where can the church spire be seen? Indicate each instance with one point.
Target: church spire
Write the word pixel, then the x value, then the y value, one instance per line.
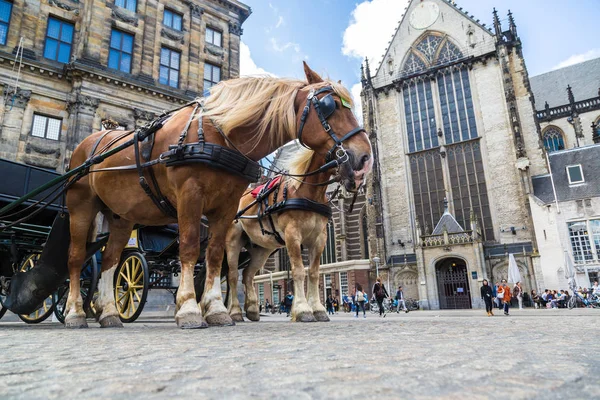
pixel 497 26
pixel 362 75
pixel 511 24
pixel 368 71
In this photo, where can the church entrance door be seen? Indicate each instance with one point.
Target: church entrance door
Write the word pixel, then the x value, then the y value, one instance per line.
pixel 453 284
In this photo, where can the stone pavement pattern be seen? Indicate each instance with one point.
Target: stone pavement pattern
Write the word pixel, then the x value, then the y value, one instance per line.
pixel 425 354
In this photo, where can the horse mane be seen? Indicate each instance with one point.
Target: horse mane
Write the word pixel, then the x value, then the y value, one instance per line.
pixel 299 164
pixel 265 102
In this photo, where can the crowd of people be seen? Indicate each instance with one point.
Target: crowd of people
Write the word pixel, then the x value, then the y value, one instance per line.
pixel 501 296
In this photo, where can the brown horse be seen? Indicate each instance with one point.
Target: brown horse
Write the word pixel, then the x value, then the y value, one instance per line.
pixel 256 116
pixel 296 227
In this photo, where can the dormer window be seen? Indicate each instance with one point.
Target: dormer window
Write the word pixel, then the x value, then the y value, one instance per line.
pixel 575 174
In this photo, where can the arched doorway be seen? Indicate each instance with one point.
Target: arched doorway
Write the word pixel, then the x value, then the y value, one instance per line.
pixel 453 284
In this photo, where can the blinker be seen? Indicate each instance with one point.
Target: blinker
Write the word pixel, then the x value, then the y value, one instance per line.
pixel 327 105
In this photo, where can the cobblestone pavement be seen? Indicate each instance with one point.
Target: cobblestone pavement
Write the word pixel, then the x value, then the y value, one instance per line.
pixel 424 354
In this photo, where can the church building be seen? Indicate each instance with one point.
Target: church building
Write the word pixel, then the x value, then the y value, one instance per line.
pixel 456 127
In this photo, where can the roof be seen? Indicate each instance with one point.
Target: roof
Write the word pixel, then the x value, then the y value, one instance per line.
pixel 589 159
pixel 551 87
pixel 447 223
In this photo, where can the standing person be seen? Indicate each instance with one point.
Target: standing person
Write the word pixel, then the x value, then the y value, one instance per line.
pixel 400 299
pixel 360 298
pixel 329 304
pixel 380 294
pixel 596 289
pixel 336 304
pixel 536 299
pixel 289 300
pixel 496 298
pixel 267 306
pixel 486 295
pixel 504 296
pixel 518 293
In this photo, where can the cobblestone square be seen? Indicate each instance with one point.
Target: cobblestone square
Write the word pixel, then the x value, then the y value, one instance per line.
pixel 423 354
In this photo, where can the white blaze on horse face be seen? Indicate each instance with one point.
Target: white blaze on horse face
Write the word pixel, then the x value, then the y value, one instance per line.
pixel 106 296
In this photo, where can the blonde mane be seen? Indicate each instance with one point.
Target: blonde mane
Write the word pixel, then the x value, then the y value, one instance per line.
pixel 264 102
pixel 299 164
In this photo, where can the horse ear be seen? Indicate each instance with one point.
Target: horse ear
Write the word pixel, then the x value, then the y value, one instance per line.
pixel 311 76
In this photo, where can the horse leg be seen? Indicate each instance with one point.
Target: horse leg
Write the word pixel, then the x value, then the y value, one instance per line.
pixel 188 315
pixel 212 306
pixel 233 248
pixel 314 300
pixel 259 258
pixel 120 231
pixel 301 311
pixel 81 221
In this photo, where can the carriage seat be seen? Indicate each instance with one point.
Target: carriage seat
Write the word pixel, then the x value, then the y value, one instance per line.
pixel 157 238
pixel 271 183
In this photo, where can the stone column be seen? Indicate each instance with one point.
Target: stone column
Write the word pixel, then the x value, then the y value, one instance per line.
pixel 235 33
pixel 12 121
pixel 422 280
pixel 197 40
pixel 82 110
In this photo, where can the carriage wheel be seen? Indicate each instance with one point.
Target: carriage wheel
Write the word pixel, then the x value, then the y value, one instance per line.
pixel 88 285
pixel 131 286
pixel 46 307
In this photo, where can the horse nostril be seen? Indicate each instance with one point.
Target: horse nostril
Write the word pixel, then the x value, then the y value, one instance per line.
pixel 363 161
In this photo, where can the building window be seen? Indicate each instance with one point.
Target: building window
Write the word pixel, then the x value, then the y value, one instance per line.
pixel 328 255
pixel 130 5
pixel 344 284
pixel 553 139
pixel 169 67
pixel 212 75
pixel 121 49
pixel 420 118
pixel 458 116
pixel 46 127
pixel 172 19
pixel 276 296
pixel 261 293
pixel 365 234
pixel 575 174
pixel 213 37
pixel 59 38
pixel 5 11
pixel 580 240
pixel 327 286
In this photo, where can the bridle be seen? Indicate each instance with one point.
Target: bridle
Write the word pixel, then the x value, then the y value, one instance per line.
pixel 324 108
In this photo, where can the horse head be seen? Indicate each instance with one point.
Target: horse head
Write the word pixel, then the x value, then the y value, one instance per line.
pixel 327 125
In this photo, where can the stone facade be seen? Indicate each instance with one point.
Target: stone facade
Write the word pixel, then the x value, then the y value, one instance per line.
pixel 451 114
pixel 83 91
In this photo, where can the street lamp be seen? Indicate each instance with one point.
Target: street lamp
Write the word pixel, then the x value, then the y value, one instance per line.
pixel 376 261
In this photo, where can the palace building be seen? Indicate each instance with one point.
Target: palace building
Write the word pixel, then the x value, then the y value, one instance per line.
pixel 461 134
pixel 68 67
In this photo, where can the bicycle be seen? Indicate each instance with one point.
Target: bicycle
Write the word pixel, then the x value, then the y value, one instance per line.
pixel 577 299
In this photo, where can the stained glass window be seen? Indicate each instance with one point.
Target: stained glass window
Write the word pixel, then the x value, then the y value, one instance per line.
pixel 449 52
pixel 328 255
pixel 428 187
pixel 553 139
pixel 413 64
pixel 432 50
pixel 428 47
pixel 420 117
pixel 458 116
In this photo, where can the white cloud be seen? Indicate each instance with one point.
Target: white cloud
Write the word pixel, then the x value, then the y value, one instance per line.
pixel 281 48
pixel 355 91
pixel 371 28
pixel 247 64
pixel 577 58
pixel 280 22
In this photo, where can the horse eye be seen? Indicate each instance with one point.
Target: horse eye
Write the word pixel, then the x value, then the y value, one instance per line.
pixel 337 105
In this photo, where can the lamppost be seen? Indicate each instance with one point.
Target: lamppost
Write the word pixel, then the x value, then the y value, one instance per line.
pixel 376 261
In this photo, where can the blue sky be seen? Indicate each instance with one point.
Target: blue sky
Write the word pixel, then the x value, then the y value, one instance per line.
pixel 281 33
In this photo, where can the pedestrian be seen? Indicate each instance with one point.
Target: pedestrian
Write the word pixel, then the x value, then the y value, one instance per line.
pixel 536 299
pixel 496 298
pixel 400 299
pixel 336 304
pixel 596 289
pixel 518 293
pixel 360 298
pixel 289 300
pixel 504 296
pixel 329 303
pixel 380 294
pixel 487 295
pixel 267 306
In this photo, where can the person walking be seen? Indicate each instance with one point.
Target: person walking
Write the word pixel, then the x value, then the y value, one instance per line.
pixel 487 295
pixel 329 304
pixel 518 293
pixel 288 301
pixel 496 298
pixel 380 294
pixel 536 299
pixel 400 300
pixel 360 298
pixel 504 296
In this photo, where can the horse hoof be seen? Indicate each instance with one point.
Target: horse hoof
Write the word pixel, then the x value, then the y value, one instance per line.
pixel 76 323
pixel 237 317
pixel 219 319
pixel 110 321
pixel 305 316
pixel 321 316
pixel 191 321
pixel 253 316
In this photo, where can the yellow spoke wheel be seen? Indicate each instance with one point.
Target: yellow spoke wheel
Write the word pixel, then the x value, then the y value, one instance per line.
pixel 131 285
pixel 46 308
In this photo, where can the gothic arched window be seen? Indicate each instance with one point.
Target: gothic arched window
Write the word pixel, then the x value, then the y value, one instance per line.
pixel 328 256
pixel 431 50
pixel 553 139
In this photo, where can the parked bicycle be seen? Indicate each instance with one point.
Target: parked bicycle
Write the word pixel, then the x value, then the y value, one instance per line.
pixel 578 301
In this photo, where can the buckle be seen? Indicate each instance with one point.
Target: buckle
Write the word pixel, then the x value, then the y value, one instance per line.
pixel 327 127
pixel 341 155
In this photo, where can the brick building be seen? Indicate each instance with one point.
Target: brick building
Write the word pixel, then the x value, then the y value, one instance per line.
pixel 66 66
pixel 457 128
